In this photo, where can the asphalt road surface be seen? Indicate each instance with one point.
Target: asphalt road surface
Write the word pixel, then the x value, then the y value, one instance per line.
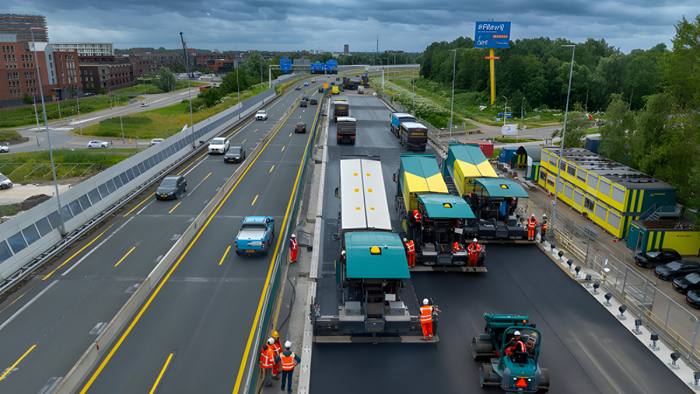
pixel 48 324
pixel 584 347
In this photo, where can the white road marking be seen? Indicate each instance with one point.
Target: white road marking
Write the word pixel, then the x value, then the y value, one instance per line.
pixel 195 188
pixel 27 304
pixel 147 205
pixel 96 247
pixel 195 166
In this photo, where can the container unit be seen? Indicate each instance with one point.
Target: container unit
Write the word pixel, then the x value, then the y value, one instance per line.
pixel 485 146
pixel 528 157
pixel 606 192
pixel 648 235
pixel 507 153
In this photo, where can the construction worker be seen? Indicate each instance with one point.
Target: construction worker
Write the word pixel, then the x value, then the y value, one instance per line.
pixel 267 357
pixel 543 229
pixel 410 252
pixel 531 224
pixel 474 249
pixel 426 319
pixel 456 247
pixel 277 349
pixel 288 360
pixel 293 249
pixel 515 344
pixel 416 216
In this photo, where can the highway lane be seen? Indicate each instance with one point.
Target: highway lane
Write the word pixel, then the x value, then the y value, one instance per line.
pixel 57 310
pixel 584 347
pixel 194 333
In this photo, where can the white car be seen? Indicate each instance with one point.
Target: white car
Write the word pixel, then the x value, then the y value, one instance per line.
pixel 219 145
pixel 261 115
pixel 156 141
pixel 4 148
pixel 97 144
pixel 144 104
pixel 5 182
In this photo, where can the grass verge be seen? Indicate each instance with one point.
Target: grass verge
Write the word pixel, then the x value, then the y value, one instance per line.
pixel 152 89
pixel 25 116
pixel 514 140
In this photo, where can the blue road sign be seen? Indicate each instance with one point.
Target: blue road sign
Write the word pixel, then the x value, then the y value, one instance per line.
pixel 501 114
pixel 285 65
pixel 492 35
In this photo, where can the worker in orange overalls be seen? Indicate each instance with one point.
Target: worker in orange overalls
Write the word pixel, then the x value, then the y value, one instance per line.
pixel 267 360
pixel 293 249
pixel 410 252
pixel 531 224
pixel 416 216
pixel 426 319
pixel 545 222
pixel 474 249
pixel 277 349
pixel 456 247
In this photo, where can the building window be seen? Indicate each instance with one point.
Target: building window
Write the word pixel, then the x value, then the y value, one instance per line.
pixel 581 174
pixel 588 204
pixel 604 187
pixel 618 194
pixel 571 170
pixel 601 212
pixel 592 181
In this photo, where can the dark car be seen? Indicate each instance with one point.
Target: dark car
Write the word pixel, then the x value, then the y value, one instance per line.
pixel 676 269
pixel 172 187
pixel 693 298
pixel 305 98
pixel 656 257
pixel 313 101
pixel 303 103
pixel 333 83
pixel 320 90
pixel 297 88
pixel 235 154
pixel 300 127
pixel 689 282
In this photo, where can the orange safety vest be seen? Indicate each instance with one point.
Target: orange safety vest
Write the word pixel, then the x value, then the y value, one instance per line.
pixel 410 246
pixel 416 215
pixel 288 362
pixel 456 247
pixel 267 358
pixel 531 223
pixel 426 314
pixel 519 344
pixel 474 248
pixel 277 348
pixel 545 222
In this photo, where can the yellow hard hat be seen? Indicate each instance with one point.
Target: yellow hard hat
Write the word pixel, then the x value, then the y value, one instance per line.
pixel 275 334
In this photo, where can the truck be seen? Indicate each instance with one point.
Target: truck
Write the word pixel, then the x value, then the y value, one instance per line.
pixel 360 89
pixel 335 90
pixel 261 115
pixel 341 107
pixel 346 130
pixel 397 118
pixel 255 236
pixel 413 136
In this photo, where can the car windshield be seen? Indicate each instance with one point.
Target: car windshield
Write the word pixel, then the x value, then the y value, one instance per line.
pixel 235 149
pixel 653 255
pixel 674 265
pixel 3 178
pixel 218 141
pixel 261 112
pixel 169 182
pixel 300 124
pixel 693 278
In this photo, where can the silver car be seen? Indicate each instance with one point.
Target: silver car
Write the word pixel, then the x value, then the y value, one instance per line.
pixel 97 144
pixel 4 148
pixel 5 182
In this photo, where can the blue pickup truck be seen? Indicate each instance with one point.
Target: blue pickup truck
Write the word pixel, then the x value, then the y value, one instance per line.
pixel 255 236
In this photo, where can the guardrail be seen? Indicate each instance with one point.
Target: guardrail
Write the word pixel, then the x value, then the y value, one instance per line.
pixel 33 237
pixel 157 277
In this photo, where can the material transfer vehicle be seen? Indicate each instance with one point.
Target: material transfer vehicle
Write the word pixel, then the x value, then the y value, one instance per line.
pixel 255 236
pixel 97 144
pixel 172 187
pixel 218 145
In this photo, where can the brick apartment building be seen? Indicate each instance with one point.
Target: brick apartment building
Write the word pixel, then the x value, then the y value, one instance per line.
pixel 20 26
pixel 145 64
pixel 106 76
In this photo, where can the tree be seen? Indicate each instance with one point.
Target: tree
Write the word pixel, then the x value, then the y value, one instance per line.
pixel 619 126
pixel 576 125
pixel 166 80
pixel 103 91
pixel 211 96
pixel 73 91
pixel 229 85
pixel 26 99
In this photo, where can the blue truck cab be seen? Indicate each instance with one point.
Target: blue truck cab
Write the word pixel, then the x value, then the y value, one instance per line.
pixel 397 118
pixel 255 236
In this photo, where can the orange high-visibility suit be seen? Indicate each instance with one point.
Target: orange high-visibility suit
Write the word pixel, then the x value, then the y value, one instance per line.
pixel 411 253
pixel 531 224
pixel 474 249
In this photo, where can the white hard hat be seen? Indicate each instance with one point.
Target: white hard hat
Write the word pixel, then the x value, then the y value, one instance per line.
pixel 533 215
pixel 288 344
pixel 517 333
pixel 405 240
pixel 343 253
pixel 474 239
pixel 271 341
pixel 425 301
pixel 294 236
pixel 544 215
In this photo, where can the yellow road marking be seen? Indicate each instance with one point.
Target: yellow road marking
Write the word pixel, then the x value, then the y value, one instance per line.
pixel 234 131
pixel 225 253
pixel 290 134
pixel 160 375
pixel 255 131
pixel 127 253
pixel 76 253
pixel 241 369
pixel 283 149
pixel 17 362
pixel 178 204
pixel 273 166
pixel 17 299
pixel 244 141
pixel 254 200
pixel 172 269
pixel 146 199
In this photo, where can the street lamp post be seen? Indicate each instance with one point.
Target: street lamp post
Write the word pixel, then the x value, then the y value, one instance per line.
pixel 563 134
pixel 522 120
pixel 77 100
pixel 122 124
pixel 36 115
pixel 62 228
pixel 59 111
pixel 413 98
pixel 189 87
pixel 238 87
pixel 452 102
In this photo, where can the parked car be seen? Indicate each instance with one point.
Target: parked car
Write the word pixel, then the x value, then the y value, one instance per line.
pixel 303 103
pixel 313 101
pixel 156 141
pixel 692 297
pixel 255 236
pixel 144 104
pixel 676 269
pixel 5 182
pixel 297 88
pixel 656 257
pixel 261 115
pixel 5 148
pixel 219 145
pixel 234 154
pixel 300 127
pixel 172 187
pixel 97 144
pixel 686 283
pixel 306 84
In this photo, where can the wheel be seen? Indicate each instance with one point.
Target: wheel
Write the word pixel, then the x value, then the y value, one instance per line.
pixel 485 378
pixel 544 381
pixel 481 348
pixel 238 253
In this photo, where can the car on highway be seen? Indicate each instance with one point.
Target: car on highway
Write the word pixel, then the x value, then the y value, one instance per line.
pixel 676 269
pixel 687 283
pixel 255 236
pixel 5 182
pixel 97 144
pixel 305 98
pixel 692 297
pixel 300 127
pixel 303 103
pixel 156 141
pixel 5 148
pixel 297 88
pixel 172 187
pixel 306 84
pixel 313 80
pixel 219 145
pixel 234 154
pixel 655 258
pixel 320 90
pixel 144 104
pixel 261 115
pixel 313 101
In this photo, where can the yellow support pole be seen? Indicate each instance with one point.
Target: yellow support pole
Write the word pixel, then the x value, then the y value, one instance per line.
pixel 493 77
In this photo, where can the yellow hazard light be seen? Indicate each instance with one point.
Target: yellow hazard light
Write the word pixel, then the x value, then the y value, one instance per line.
pixel 375 250
pixel 358 208
pixel 447 205
pixel 354 174
pixel 369 190
pixel 371 208
pixel 357 190
pixel 368 174
pixel 504 186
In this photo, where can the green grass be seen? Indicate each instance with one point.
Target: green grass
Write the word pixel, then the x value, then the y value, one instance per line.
pixel 9 210
pixel 7 135
pixel 152 89
pixel 25 116
pixel 513 140
pixel 496 153
pixel 592 130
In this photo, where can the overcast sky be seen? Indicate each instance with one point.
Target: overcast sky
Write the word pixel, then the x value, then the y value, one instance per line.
pixel 408 25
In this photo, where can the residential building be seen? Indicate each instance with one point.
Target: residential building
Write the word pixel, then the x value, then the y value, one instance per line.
pixel 145 64
pixel 20 25
pixel 85 48
pixel 110 77
pixel 346 49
